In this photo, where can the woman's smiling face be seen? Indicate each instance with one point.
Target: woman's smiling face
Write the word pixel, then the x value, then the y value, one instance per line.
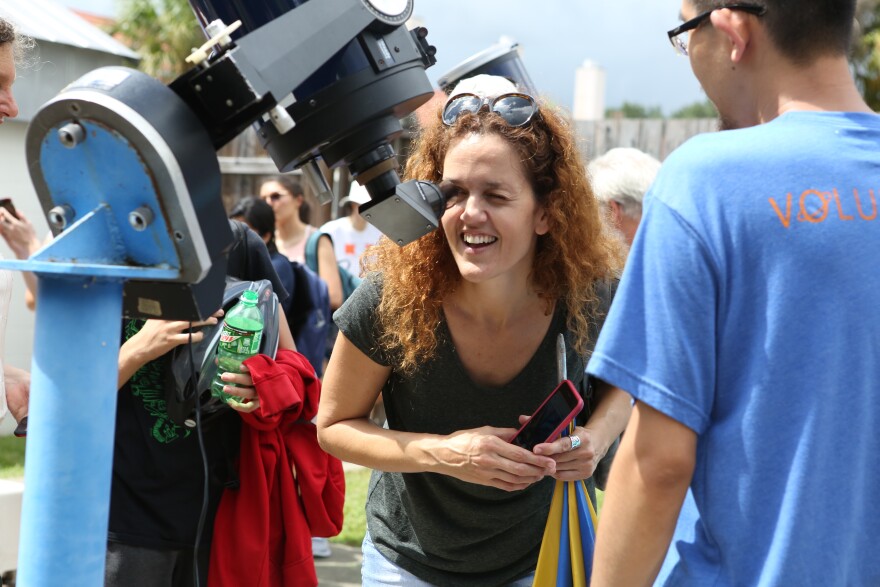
pixel 492 219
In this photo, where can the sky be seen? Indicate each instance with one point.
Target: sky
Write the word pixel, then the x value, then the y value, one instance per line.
pixel 627 38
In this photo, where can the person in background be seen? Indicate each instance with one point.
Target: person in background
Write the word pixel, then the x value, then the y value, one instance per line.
pixel 14 382
pixel 746 324
pixel 352 235
pixel 292 230
pixel 620 179
pixel 458 332
pixel 260 218
pixel 157 492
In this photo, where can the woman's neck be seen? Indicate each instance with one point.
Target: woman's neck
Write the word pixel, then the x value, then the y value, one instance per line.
pixel 495 305
pixel 291 232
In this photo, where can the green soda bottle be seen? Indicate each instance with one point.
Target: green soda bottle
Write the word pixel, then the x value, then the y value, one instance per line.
pixel 239 340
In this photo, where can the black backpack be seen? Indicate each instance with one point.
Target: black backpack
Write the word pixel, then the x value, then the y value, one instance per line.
pixel 309 315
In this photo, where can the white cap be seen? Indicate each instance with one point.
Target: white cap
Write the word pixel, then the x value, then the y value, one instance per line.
pixel 487 86
pixel 357 194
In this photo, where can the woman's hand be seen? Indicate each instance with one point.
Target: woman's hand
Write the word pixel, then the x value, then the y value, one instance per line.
pixel 573 463
pixel 484 456
pixel 18 233
pixel 604 426
pixel 241 385
pixel 18 389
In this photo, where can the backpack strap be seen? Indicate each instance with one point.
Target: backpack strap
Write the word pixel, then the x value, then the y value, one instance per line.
pixel 311 252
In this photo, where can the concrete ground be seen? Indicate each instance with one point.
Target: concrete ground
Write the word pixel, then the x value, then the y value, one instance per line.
pixel 341 569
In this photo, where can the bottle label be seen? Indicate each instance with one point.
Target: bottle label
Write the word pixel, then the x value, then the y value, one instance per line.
pixel 240 342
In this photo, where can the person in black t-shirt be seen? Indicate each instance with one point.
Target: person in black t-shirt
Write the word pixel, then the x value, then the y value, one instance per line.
pixel 157 490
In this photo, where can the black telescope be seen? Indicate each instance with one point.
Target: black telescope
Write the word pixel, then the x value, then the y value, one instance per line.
pixel 318 80
pixel 347 73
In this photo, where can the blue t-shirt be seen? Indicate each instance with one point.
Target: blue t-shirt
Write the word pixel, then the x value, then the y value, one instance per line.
pixel 749 311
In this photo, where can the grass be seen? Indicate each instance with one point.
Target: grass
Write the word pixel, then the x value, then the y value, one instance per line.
pixel 355 525
pixel 356 482
pixel 11 457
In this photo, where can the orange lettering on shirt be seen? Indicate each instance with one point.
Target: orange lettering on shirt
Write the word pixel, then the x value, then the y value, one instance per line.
pixel 859 205
pixel 840 212
pixel 821 215
pixel 784 219
pixel 349 248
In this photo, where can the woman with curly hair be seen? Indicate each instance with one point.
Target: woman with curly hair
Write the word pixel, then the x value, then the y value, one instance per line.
pixel 458 332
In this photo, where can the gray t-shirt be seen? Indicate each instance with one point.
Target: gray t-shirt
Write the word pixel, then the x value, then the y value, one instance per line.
pixel 441 529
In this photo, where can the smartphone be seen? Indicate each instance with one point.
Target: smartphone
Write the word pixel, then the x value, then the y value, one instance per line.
pixel 551 417
pixel 10 207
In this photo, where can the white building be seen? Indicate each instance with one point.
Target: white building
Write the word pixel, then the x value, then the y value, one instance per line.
pixel 589 92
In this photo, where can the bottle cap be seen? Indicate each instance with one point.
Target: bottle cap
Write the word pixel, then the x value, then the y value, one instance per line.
pixel 249 296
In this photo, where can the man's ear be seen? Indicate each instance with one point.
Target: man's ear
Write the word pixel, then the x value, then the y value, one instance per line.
pixel 615 212
pixel 735 25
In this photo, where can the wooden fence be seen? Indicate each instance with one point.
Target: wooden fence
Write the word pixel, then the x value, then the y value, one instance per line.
pixel 657 137
pixel 245 164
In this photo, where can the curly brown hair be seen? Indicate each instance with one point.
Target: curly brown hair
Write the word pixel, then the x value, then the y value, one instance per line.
pixel 575 254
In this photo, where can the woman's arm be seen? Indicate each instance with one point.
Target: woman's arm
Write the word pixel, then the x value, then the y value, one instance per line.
pixel 20 236
pixel 329 271
pixel 350 388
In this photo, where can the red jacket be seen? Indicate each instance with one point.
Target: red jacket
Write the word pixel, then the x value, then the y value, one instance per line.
pixel 290 488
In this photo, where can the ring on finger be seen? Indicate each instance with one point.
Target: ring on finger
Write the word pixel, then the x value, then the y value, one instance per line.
pixel 575 442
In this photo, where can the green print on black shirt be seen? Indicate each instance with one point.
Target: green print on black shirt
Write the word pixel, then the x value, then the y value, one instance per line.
pixel 147 384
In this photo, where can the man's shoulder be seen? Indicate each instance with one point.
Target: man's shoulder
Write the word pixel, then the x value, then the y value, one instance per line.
pixel 333 227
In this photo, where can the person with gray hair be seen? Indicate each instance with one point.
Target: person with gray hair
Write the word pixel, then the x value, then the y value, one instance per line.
pixel 620 179
pixel 8 106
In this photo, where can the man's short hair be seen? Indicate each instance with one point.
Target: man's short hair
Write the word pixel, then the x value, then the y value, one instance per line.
pixel 803 30
pixel 623 175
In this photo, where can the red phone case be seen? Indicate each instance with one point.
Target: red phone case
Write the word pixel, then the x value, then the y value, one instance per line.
pixel 566 387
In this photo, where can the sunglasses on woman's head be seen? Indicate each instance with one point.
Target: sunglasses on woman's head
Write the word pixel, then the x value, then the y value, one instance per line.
pixel 515 109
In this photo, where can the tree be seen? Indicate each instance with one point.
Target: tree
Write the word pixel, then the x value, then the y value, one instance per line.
pixel 631 110
pixel 866 51
pixel 163 32
pixel 704 109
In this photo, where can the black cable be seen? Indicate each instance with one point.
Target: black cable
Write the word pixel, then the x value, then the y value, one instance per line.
pixel 205 493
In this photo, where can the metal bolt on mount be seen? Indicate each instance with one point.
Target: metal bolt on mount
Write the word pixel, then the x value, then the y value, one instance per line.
pixel 141 218
pixel 60 217
pixel 71 135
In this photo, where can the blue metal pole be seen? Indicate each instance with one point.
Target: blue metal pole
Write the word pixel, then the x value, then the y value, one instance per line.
pixel 72 417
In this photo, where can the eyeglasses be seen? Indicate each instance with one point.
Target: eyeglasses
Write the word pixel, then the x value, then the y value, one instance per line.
pixel 274 196
pixel 679 35
pixel 515 109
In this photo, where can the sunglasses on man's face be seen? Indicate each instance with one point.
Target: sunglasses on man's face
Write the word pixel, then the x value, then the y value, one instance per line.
pixel 515 109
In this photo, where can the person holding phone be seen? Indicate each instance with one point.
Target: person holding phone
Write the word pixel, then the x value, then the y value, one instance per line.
pixel 14 382
pixel 458 332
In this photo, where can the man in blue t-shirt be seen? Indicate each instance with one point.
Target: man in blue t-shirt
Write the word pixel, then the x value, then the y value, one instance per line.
pixel 747 322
